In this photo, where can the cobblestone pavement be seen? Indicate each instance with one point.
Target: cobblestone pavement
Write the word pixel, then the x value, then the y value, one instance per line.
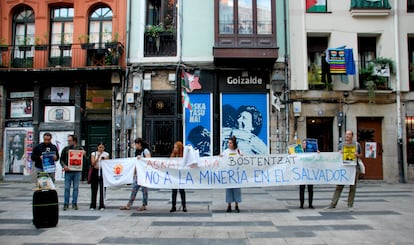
pixel 383 214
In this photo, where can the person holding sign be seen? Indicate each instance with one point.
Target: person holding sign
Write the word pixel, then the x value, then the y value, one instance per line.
pixel 141 150
pixel 178 152
pixel 72 161
pixel 97 179
pixel 351 151
pixel 44 155
pixel 232 194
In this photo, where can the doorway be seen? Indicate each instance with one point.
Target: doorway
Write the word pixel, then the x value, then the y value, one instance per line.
pixel 369 135
pixel 320 128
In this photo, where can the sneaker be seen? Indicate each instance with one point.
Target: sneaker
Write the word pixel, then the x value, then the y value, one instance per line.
pixel 237 209
pixel 74 207
pixel 350 209
pixel 229 209
pixel 311 207
pixel 102 209
pixel 91 209
pixel 330 207
pixel 65 207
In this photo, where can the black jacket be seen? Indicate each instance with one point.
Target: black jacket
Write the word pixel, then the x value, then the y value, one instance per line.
pixel 39 149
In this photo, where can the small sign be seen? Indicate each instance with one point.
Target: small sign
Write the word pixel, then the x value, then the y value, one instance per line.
pixel 75 160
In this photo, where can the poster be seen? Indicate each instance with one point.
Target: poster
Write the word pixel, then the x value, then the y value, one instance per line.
pixel 246 117
pixel 18 146
pixel 370 149
pixel 311 145
pixel 198 123
pixel 21 108
pixel 348 154
pixel 75 160
pixel 49 165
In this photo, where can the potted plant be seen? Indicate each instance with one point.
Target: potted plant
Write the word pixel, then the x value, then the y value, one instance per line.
pixel 84 42
pixel 40 43
pixel 154 30
pixel 113 44
pixel 3 45
pixel 24 45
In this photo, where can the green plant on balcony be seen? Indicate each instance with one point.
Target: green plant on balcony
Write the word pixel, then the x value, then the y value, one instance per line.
pixel 84 42
pixel 3 45
pixel 24 43
pixel 41 43
pixel 154 30
pixel 112 39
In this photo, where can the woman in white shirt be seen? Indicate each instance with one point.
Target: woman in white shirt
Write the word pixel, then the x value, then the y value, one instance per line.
pixel 232 194
pixel 97 179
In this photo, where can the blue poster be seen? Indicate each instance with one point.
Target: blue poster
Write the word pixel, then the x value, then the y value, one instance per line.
pixel 245 116
pixel 197 124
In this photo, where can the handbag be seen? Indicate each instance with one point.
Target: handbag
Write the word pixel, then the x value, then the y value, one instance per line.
pixel 90 175
pixel 361 166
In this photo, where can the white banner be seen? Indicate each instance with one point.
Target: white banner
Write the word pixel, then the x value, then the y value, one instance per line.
pixel 229 172
pixel 118 171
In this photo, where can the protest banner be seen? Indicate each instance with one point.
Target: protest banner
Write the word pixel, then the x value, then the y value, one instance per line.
pixel 218 172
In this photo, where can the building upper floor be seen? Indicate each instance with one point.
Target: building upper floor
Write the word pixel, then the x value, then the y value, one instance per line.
pixel 62 34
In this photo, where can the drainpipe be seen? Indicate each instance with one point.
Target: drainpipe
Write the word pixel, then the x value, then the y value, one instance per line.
pixel 287 89
pixel 398 96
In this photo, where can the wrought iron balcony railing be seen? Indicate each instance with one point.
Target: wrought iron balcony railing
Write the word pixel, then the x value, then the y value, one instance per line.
pixel 67 55
pixel 164 44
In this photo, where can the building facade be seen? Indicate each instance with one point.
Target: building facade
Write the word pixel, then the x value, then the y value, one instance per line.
pixel 61 63
pixel 371 97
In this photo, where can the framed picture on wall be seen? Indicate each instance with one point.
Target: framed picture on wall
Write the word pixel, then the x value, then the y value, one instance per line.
pixel 59 114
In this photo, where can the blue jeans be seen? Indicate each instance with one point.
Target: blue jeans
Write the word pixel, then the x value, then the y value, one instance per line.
pixel 72 177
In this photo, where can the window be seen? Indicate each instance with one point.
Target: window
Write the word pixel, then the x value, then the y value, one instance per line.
pixel 100 26
pixel 162 12
pixel 61 35
pixel 409 124
pixel 410 5
pixel 366 51
pixel 249 16
pixel 24 30
pixel 316 50
pixel 411 62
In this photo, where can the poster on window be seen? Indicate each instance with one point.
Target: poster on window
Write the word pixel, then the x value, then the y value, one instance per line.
pixel 60 139
pixel 246 117
pixel 370 149
pixel 198 123
pixel 315 6
pixel 18 146
pixel 21 108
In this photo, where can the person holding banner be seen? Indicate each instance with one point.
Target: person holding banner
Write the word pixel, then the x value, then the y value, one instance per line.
pixel 352 189
pixel 41 149
pixel 302 187
pixel 141 150
pixel 232 194
pixel 178 151
pixel 71 161
pixel 96 178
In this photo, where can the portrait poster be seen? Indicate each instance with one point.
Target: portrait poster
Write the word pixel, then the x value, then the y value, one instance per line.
pixel 245 115
pixel 370 149
pixel 198 123
pixel 21 108
pixel 75 160
pixel 60 139
pixel 18 145
pixel 49 165
pixel 348 154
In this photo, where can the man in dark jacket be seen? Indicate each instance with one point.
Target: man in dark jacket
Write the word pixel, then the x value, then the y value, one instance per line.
pixel 71 175
pixel 40 149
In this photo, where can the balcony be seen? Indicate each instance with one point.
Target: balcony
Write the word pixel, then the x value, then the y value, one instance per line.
pixel 61 56
pixel 370 8
pixel 162 45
